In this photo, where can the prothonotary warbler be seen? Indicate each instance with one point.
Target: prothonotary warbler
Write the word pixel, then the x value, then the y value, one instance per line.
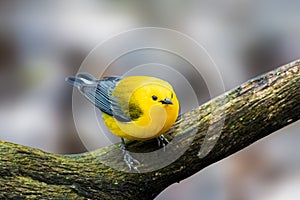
pixel 133 108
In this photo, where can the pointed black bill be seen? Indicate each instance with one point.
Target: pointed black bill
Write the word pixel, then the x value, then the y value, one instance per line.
pixel 166 101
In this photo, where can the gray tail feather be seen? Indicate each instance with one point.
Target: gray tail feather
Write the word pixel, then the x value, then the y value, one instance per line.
pixel 86 76
pixel 82 80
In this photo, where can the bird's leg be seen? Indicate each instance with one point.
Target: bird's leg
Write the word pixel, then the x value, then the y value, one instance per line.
pixel 128 159
pixel 179 117
pixel 162 141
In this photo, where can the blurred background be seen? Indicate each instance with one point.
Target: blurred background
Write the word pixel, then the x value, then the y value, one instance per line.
pixel 42 42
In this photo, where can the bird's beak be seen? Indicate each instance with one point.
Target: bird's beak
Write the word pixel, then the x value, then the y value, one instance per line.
pixel 166 101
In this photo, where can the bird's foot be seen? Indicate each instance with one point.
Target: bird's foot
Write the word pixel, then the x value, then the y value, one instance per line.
pixel 131 162
pixel 162 141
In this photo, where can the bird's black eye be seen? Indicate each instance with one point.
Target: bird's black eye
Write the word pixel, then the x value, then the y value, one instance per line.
pixel 154 97
pixel 172 96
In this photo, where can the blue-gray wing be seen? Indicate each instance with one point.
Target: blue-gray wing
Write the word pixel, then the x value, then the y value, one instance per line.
pixel 99 92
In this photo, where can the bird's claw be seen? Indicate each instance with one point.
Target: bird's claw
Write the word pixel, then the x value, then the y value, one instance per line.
pixel 131 162
pixel 162 141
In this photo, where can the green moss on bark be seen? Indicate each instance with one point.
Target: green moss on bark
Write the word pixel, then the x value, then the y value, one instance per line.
pixel 223 126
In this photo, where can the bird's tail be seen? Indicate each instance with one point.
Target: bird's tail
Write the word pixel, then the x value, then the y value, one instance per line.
pixel 82 80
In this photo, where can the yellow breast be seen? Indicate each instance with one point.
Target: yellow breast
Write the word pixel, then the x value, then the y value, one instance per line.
pixel 149 126
pixel 154 118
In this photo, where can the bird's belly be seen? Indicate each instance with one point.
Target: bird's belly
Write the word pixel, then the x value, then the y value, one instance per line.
pixel 146 127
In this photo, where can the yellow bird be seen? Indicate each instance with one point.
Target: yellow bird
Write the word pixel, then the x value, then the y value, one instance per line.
pixel 134 108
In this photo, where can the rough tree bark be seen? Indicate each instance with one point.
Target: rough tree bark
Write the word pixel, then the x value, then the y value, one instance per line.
pixel 212 132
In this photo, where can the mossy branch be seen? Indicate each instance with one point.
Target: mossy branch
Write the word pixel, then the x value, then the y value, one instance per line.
pixel 211 132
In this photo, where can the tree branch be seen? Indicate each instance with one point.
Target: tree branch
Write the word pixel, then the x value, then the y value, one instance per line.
pixel 211 132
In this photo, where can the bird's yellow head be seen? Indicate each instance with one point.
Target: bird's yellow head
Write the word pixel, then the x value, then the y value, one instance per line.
pixel 158 103
pixel 154 94
pixel 151 104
